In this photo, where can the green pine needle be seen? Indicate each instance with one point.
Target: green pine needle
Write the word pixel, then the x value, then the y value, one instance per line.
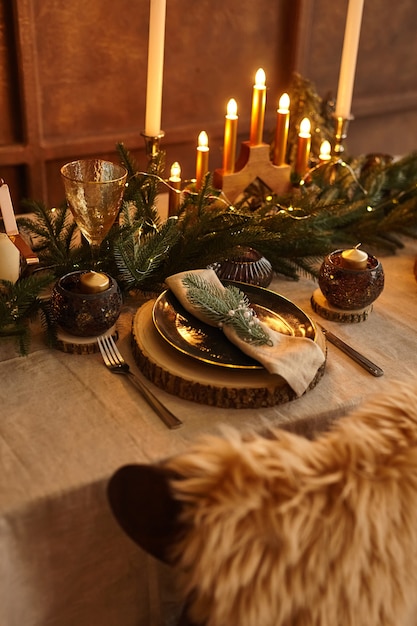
pixel 227 305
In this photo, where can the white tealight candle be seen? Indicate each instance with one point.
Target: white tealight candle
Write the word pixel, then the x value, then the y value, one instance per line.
pixel 93 282
pixel 355 259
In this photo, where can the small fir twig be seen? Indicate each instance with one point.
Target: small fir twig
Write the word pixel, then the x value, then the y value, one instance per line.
pixel 228 305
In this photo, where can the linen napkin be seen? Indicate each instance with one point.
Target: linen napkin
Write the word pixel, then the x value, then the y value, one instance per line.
pixel 296 359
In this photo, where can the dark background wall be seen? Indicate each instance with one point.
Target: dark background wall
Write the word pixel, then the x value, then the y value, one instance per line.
pixel 73 77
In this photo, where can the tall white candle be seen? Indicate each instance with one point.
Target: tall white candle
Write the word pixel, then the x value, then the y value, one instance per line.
pixel 6 210
pixel 349 57
pixel 155 67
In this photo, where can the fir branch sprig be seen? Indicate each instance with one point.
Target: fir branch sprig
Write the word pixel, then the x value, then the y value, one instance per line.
pixel 142 187
pixel 55 238
pixel 20 302
pixel 141 257
pixel 54 229
pixel 228 305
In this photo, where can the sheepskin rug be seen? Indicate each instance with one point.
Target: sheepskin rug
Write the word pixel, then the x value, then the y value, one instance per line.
pixel 283 531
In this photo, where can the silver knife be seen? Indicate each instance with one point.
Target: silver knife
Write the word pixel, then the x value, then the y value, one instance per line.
pixel 354 354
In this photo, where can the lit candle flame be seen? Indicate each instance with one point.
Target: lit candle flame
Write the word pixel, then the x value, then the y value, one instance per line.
pixel 231 108
pixel 260 78
pixel 284 103
pixel 175 171
pixel 305 127
pixel 325 150
pixel 203 139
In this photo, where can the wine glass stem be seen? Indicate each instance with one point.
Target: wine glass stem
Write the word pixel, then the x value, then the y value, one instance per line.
pixel 95 255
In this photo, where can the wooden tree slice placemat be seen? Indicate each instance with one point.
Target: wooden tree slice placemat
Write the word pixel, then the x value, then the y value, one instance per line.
pixel 193 380
pixel 322 307
pixel 81 345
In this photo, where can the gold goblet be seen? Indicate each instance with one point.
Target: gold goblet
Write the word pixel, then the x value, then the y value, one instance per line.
pixel 94 191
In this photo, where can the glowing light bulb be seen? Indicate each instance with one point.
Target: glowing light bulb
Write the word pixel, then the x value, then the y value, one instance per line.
pixel 325 150
pixel 203 139
pixel 175 174
pixel 284 103
pixel 305 127
pixel 231 109
pixel 260 78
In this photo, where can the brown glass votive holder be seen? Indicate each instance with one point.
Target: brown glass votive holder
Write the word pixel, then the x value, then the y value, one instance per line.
pixel 248 266
pixel 85 314
pixel 350 289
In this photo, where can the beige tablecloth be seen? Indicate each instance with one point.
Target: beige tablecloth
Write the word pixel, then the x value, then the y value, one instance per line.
pixel 67 423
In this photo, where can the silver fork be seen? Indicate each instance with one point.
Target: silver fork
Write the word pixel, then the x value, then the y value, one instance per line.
pixel 116 364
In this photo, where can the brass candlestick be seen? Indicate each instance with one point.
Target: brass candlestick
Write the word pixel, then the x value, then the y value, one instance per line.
pixel 341 128
pixel 152 144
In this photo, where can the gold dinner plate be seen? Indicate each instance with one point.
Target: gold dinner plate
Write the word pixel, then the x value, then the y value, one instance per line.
pixel 206 343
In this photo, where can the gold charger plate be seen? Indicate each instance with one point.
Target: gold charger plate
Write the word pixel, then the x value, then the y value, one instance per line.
pixel 203 342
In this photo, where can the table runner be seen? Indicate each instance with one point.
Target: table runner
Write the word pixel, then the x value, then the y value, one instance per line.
pixel 67 423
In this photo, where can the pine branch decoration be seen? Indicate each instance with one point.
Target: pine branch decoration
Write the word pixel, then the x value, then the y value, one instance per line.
pixel 19 305
pixel 227 305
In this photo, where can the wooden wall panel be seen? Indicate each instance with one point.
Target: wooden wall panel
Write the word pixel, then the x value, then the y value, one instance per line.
pixel 10 130
pixel 73 77
pixel 385 91
pixel 82 77
pixel 91 65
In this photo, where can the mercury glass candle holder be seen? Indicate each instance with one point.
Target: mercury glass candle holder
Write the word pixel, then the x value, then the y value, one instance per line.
pixel 350 289
pixel 85 314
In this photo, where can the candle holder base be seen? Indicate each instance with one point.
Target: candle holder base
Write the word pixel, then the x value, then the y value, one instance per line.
pixel 152 144
pixel 82 345
pixel 253 163
pixel 322 307
pixel 340 134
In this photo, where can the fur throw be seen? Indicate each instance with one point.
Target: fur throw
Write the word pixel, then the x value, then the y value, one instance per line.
pixel 283 531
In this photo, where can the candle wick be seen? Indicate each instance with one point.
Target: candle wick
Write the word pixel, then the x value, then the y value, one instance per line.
pixel 357 246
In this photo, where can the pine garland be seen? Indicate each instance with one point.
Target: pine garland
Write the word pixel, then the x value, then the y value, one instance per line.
pixel 370 199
